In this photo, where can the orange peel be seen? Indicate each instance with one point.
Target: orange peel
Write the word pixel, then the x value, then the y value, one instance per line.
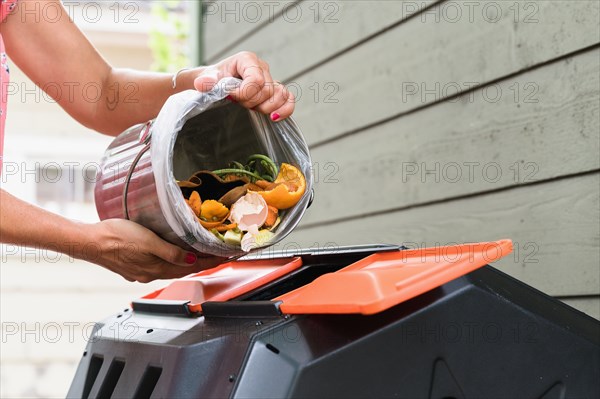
pixel 195 202
pixel 290 187
pixel 225 227
pixel 212 225
pixel 271 217
pixel 213 211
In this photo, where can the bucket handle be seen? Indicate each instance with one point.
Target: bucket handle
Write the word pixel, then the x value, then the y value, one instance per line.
pixel 145 139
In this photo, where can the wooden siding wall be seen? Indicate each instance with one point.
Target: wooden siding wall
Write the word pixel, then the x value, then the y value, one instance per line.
pixel 436 122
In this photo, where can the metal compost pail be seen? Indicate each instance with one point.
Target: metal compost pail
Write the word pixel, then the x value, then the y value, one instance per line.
pixel 126 184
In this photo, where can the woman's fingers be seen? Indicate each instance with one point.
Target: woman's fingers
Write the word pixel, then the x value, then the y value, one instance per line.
pixel 138 254
pixel 157 270
pixel 171 253
pixel 161 270
pixel 286 109
pixel 130 279
pixel 258 89
pixel 276 102
pixel 208 262
pixel 255 78
pixel 207 79
pixel 168 272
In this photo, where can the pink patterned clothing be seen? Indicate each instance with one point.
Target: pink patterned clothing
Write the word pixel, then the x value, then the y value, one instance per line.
pixel 6 6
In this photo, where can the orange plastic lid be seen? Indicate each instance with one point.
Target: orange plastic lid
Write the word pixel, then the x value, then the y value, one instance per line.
pixel 226 281
pixel 383 280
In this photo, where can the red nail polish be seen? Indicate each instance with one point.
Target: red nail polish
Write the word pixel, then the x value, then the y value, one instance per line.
pixel 231 99
pixel 275 116
pixel 190 258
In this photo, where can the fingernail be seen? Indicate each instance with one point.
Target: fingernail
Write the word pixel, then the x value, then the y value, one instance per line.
pixel 190 258
pixel 231 99
pixel 275 116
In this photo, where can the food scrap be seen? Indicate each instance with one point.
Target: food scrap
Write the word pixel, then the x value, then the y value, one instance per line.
pixel 286 191
pixel 242 204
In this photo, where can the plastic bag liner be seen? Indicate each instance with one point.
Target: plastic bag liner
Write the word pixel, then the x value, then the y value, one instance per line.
pixel 204 131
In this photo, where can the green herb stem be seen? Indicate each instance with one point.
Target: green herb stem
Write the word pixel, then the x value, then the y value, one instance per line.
pixel 232 171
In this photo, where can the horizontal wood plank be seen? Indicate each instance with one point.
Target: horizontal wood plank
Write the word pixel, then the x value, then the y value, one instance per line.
pixel 225 22
pixel 423 61
pixel 312 31
pixel 541 127
pixel 554 226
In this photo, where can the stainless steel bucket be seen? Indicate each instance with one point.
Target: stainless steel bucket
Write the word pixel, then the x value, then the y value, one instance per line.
pixel 126 181
pixel 125 186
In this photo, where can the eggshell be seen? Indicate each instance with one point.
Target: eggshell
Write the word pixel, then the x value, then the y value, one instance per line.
pixel 249 212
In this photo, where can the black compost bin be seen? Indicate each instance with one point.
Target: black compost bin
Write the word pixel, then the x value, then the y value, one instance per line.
pixel 360 322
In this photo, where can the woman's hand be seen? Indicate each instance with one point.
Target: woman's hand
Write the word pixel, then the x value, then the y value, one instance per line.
pixel 138 254
pixel 258 90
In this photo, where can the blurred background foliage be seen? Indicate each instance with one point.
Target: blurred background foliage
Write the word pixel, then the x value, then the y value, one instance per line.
pixel 169 36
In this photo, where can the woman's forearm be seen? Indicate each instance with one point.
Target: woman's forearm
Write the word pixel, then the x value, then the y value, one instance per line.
pixel 131 97
pixel 122 246
pixel 26 225
pixel 58 58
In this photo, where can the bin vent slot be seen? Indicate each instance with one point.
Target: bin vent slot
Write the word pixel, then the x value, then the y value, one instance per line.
pixel 92 373
pixel 148 383
pixel 273 349
pixel 112 377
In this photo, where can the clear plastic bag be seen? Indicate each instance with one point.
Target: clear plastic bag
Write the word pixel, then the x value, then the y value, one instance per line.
pixel 205 131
